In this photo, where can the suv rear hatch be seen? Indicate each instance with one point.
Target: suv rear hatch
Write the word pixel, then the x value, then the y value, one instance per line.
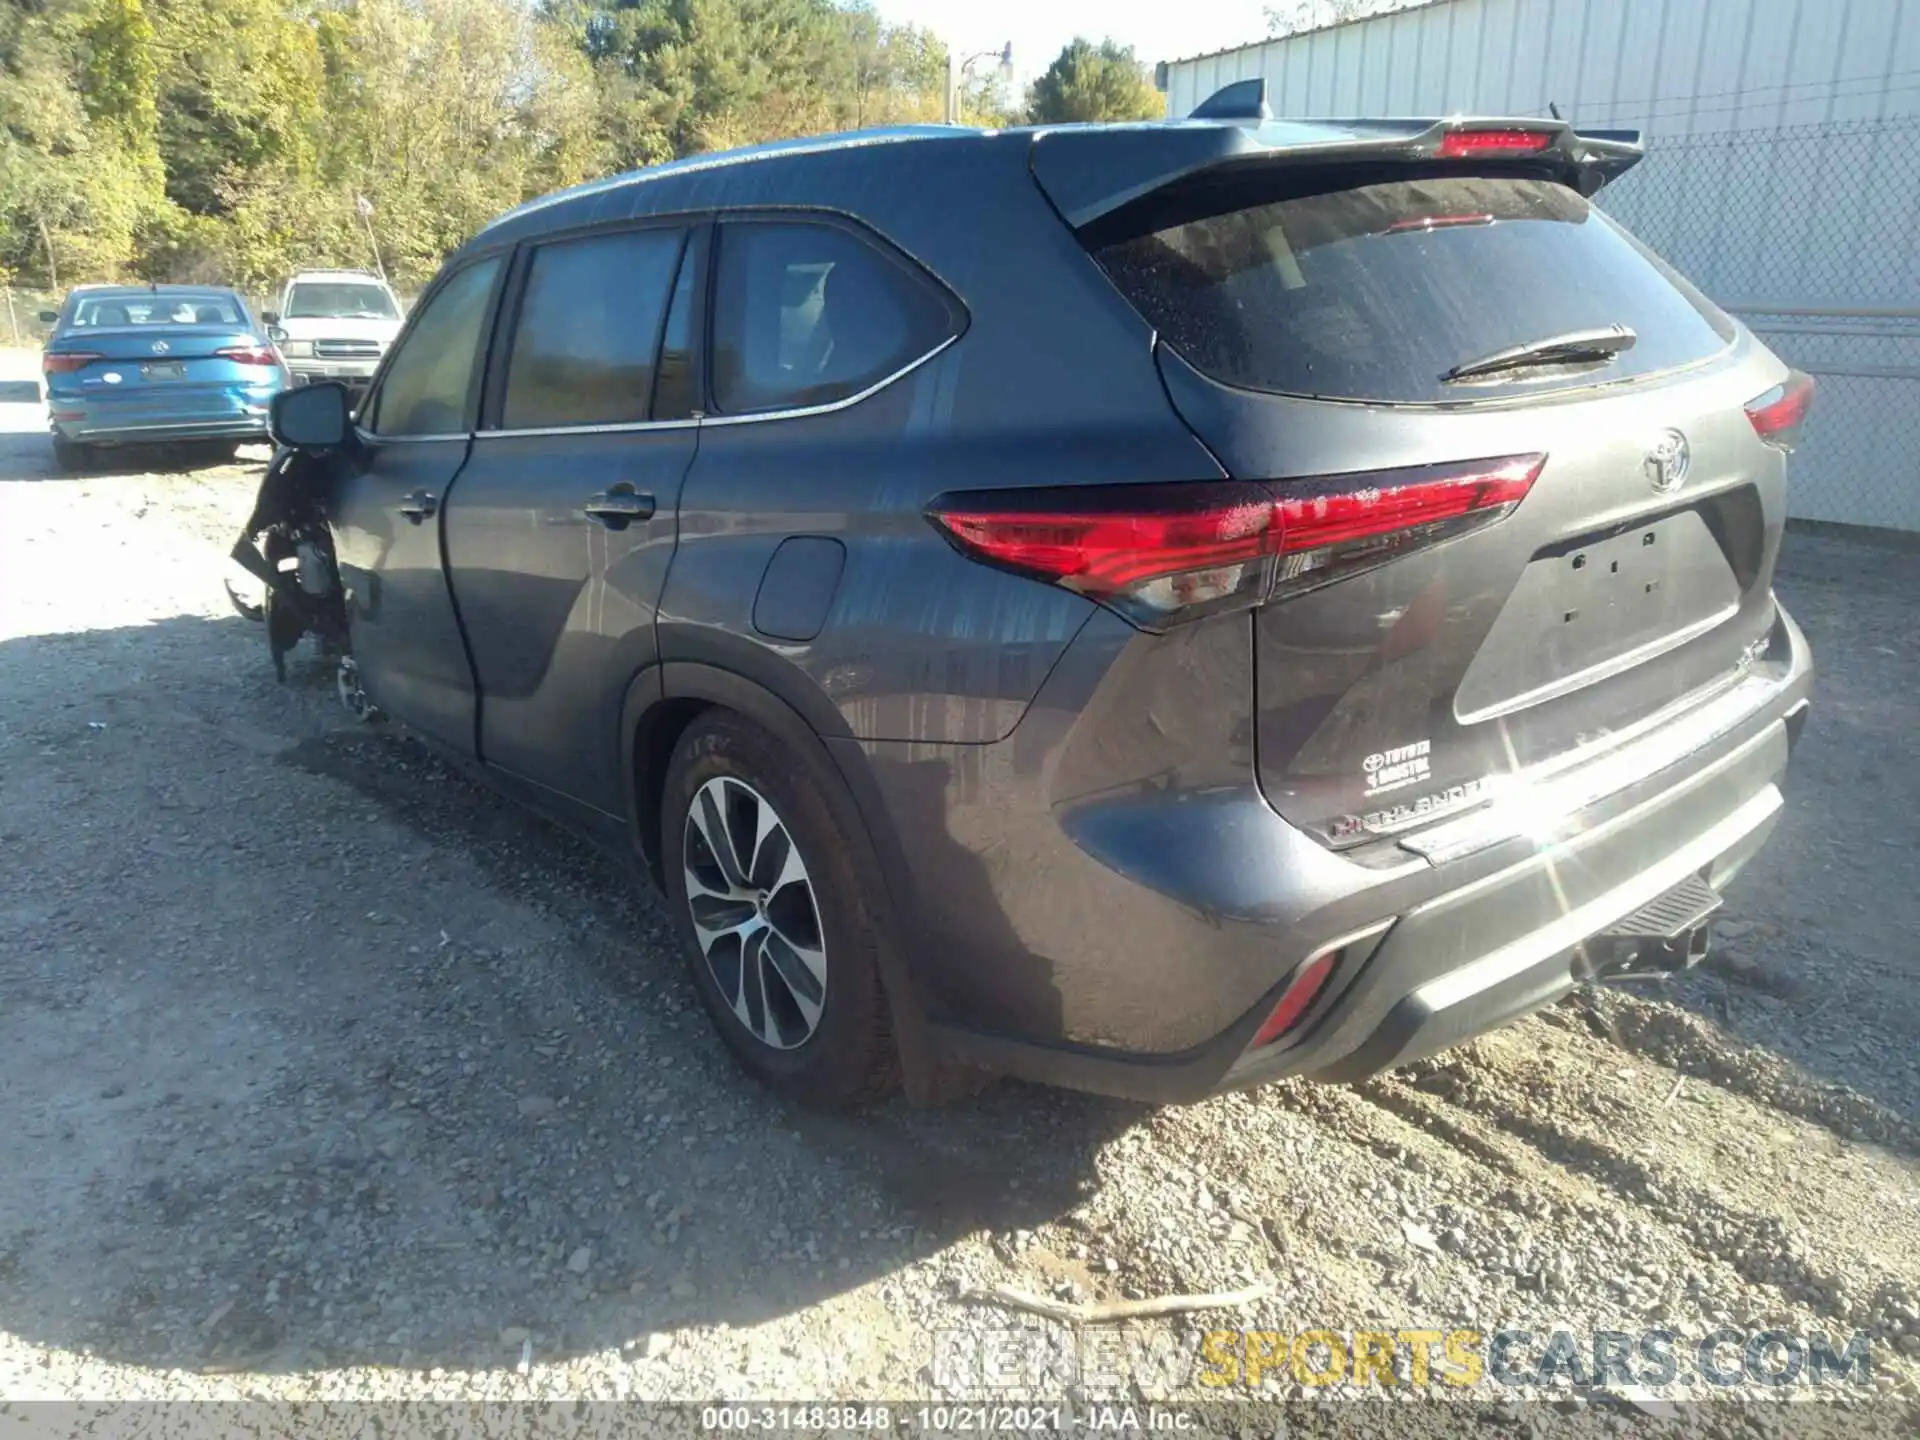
pixel 1526 500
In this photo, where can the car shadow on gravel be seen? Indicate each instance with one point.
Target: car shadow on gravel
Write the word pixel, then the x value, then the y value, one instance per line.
pixel 1816 966
pixel 315 1052
pixel 318 1053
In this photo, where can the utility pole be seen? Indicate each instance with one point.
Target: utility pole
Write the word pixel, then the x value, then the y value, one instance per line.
pixel 957 75
pixel 364 207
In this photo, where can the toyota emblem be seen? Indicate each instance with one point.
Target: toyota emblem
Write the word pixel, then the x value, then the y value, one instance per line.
pixel 1668 461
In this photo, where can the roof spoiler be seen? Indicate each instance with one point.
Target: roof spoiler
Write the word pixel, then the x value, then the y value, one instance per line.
pixel 1090 172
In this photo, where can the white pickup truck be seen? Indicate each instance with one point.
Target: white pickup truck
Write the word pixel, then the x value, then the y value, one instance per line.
pixel 335 325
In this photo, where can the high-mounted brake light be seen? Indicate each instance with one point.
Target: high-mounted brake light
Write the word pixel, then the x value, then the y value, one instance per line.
pixel 249 354
pixel 1781 414
pixel 1459 144
pixel 1437 222
pixel 1161 554
pixel 66 362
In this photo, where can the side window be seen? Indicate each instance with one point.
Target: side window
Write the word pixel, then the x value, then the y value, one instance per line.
pixel 427 382
pixel 807 314
pixel 583 347
pixel 676 393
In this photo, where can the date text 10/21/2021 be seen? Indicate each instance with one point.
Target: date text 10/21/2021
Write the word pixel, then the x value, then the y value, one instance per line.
pixel 949 1419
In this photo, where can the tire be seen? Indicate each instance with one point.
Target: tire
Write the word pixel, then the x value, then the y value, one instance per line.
pixel 823 1037
pixel 69 456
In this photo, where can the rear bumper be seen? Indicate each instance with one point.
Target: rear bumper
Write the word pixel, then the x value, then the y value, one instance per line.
pixel 354 374
pixel 1434 951
pixel 163 433
pixel 235 414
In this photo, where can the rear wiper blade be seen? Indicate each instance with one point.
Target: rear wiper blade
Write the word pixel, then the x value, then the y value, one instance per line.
pixel 1574 347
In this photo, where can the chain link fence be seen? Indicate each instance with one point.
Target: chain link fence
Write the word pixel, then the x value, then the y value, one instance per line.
pixel 20 322
pixel 1808 233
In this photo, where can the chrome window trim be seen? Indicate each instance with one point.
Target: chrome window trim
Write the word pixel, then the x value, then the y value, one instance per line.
pixel 616 427
pixel 799 412
pixel 367 437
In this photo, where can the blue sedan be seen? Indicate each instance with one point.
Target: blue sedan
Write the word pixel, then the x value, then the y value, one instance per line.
pixel 156 364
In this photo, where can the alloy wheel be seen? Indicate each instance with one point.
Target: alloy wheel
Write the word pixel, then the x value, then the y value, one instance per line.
pixel 754 913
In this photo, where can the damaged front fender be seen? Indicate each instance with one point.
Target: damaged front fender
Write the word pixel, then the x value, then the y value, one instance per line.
pixel 287 545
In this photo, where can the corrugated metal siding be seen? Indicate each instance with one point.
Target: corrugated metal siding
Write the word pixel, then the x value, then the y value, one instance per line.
pixel 1668 67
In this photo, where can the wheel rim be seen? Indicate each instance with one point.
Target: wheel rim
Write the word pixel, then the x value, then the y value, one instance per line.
pixel 754 913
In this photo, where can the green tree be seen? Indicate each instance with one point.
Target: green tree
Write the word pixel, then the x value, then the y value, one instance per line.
pixel 116 78
pixel 230 140
pixel 1094 82
pixel 78 180
pixel 241 93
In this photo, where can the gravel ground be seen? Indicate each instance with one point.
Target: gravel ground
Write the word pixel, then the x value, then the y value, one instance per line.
pixel 329 1075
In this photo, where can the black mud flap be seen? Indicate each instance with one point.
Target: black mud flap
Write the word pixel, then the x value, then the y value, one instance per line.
pixel 288 546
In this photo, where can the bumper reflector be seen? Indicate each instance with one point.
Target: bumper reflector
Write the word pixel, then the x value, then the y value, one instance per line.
pixel 1295 999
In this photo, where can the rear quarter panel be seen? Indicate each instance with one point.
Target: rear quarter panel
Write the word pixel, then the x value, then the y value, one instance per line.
pixel 1052 382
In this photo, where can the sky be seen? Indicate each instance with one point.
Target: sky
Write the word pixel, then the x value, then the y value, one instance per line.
pixel 1157 29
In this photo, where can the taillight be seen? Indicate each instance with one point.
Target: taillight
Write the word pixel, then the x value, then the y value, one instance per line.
pixel 1459 144
pixel 1341 525
pixel 1779 415
pixel 1150 551
pixel 1162 554
pixel 68 361
pixel 249 354
pixel 1294 1000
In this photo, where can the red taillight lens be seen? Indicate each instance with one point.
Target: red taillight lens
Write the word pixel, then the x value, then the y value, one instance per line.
pixel 1165 553
pixel 1150 551
pixel 65 363
pixel 1343 524
pixel 249 354
pixel 1779 415
pixel 1294 1000
pixel 1459 144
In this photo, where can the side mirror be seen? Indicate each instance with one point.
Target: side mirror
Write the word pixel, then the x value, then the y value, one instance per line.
pixel 47 317
pixel 311 417
pixel 274 332
pixel 272 317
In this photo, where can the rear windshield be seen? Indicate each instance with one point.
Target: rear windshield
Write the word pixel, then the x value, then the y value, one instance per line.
pixel 1375 290
pixel 339 300
pixel 107 312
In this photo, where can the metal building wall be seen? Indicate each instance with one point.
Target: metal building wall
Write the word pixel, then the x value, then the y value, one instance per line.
pixel 1668 67
pixel 1782 172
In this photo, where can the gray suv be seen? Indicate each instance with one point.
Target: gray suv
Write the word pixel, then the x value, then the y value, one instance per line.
pixel 1147 608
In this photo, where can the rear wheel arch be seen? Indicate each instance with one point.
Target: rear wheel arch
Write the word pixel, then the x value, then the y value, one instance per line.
pixel 664 700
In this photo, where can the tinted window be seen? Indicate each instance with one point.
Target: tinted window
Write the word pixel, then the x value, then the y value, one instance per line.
pixel 589 322
pixel 676 391
pixel 339 300
pixel 1375 290
pixel 430 375
pixel 809 314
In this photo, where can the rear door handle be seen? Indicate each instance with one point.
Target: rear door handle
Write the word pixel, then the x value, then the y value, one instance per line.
pixel 419 506
pixel 619 507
